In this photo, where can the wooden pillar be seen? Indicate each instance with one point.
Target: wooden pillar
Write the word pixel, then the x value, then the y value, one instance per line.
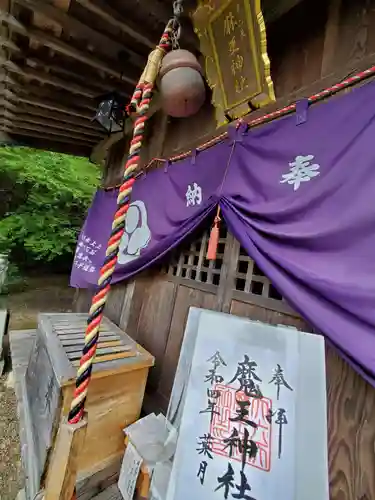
pixel 62 472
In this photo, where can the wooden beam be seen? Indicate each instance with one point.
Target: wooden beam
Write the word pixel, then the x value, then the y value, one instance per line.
pixel 44 137
pixel 5 104
pixel 35 111
pixel 68 50
pixel 62 472
pixel 48 132
pixel 8 44
pixel 96 86
pixel 103 43
pixel 23 118
pixel 31 90
pixel 112 17
pixel 11 21
pixel 30 74
pixel 83 57
pixel 52 106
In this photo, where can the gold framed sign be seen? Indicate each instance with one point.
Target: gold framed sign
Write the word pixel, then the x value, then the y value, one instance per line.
pixel 232 36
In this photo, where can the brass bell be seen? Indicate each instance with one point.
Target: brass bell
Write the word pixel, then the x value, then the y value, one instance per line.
pixel 181 84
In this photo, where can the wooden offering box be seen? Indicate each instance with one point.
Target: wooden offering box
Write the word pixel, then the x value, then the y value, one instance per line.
pixel 114 400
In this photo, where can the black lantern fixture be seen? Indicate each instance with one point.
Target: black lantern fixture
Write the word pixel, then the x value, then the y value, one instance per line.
pixel 111 112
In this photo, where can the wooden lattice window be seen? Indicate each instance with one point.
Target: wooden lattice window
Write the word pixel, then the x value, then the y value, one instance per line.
pixel 189 261
pixel 244 278
pixel 251 280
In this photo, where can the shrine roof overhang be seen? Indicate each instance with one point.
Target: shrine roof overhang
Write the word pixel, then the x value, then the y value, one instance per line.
pixel 58 56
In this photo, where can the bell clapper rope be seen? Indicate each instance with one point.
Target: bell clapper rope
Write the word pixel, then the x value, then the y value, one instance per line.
pixel 140 104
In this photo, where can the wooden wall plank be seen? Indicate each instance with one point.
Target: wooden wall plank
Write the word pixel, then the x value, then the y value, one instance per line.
pixel 82 300
pixel 115 302
pixel 186 297
pixel 140 287
pixel 353 31
pixel 180 131
pixel 351 432
pixel 370 48
pixel 259 313
pixel 331 37
pixel 154 322
pixel 295 46
pixel 127 305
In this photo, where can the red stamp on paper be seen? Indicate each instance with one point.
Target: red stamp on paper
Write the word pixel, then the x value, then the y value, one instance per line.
pixel 240 419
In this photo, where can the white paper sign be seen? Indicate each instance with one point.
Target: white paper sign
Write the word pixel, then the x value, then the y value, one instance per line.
pixel 238 428
pixel 130 468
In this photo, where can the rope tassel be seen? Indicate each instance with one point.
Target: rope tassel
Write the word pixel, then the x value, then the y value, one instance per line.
pixel 214 237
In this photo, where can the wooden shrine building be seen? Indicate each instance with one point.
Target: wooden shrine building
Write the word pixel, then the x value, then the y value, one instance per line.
pixel 58 56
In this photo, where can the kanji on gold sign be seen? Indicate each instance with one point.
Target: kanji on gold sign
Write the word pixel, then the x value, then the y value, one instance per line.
pixel 232 34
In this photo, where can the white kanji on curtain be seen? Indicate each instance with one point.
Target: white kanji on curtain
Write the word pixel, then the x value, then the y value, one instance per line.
pixel 301 170
pixel 193 195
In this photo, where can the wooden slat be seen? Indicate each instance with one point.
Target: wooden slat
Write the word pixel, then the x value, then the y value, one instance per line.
pixel 102 351
pixel 18 120
pixel 76 343
pixel 331 37
pixel 79 55
pixel 7 18
pixel 53 106
pixel 81 337
pixel 112 343
pixel 49 131
pixel 43 77
pixel 43 91
pixel 103 43
pixel 35 111
pixel 105 12
pixel 63 332
pixel 9 45
pixel 154 321
pixel 110 357
pixel 29 133
pixel 96 86
pixel 81 341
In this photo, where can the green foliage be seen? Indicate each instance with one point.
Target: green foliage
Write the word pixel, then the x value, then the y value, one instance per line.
pixel 14 281
pixel 43 200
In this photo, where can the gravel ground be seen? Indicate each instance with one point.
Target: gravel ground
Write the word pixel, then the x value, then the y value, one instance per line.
pixel 11 480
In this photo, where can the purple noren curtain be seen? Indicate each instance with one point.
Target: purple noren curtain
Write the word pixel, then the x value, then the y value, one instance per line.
pixel 300 199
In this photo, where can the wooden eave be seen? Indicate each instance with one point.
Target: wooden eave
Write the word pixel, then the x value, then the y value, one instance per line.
pixel 58 56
